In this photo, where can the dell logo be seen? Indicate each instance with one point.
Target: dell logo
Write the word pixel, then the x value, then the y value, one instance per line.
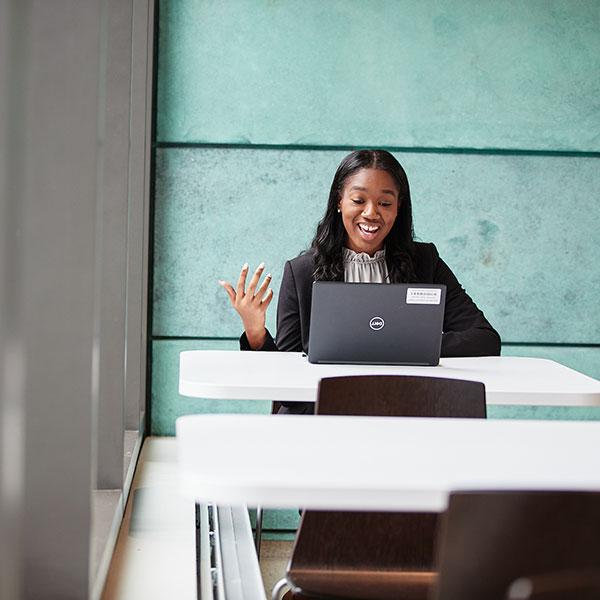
pixel 376 323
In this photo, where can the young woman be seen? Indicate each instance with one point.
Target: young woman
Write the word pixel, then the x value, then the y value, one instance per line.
pixel 366 235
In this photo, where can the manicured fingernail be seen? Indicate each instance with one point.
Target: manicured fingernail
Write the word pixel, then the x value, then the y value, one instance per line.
pixel 268 276
pixel 261 266
pixel 221 282
pixel 245 266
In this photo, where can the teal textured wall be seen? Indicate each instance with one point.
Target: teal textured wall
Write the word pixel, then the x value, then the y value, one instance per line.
pixel 431 73
pixel 522 232
pixel 492 107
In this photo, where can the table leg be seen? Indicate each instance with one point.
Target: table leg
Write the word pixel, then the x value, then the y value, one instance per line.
pixel 258 530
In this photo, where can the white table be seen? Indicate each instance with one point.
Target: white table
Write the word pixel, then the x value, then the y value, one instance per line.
pixel 375 463
pixel 288 376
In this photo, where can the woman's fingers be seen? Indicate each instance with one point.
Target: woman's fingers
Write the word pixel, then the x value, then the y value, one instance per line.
pixel 229 289
pixel 263 288
pixel 251 304
pixel 255 278
pixel 267 300
pixel 241 284
pixel 241 297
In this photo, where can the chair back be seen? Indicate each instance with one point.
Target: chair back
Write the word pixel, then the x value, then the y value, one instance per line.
pixel 400 396
pixel 374 554
pixel 540 545
pixel 363 554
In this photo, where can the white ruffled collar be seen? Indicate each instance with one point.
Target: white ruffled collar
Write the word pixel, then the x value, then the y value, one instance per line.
pixel 362 257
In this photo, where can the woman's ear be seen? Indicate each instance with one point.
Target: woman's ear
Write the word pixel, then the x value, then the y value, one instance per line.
pixel 339 209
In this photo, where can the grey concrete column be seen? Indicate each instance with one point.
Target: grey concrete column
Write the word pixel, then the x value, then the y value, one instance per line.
pixel 52 222
pixel 74 156
pixel 112 251
pixel 139 190
pixel 12 405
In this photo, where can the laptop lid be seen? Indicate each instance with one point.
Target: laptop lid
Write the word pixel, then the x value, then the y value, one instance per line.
pixel 374 323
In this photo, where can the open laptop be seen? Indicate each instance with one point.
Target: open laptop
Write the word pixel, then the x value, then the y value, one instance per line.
pixel 374 323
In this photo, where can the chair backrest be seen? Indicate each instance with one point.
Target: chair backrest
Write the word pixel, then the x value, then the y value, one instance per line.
pixel 370 554
pixel 489 540
pixel 401 396
pixel 363 554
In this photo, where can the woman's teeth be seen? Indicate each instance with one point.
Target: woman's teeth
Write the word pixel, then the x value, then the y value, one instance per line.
pixel 368 230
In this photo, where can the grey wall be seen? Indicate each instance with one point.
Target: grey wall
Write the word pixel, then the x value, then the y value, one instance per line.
pixel 69 202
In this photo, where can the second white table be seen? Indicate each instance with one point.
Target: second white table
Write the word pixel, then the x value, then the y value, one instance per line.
pixel 378 463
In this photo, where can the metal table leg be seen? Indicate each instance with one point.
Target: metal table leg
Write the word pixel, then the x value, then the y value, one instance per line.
pixel 258 530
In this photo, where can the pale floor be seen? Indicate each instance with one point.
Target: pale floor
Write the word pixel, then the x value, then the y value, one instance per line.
pixel 155 553
pixel 274 557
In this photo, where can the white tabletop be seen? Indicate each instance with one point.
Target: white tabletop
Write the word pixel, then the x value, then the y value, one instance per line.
pixel 378 463
pixel 288 376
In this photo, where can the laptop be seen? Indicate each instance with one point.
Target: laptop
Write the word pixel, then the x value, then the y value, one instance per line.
pixel 375 323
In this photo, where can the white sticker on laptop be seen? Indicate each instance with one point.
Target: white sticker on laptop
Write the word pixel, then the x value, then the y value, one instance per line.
pixel 423 296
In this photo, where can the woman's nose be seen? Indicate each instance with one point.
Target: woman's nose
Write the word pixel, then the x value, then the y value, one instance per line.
pixel 370 210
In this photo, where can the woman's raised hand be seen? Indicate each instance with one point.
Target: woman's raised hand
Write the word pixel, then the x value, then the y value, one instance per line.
pixel 251 304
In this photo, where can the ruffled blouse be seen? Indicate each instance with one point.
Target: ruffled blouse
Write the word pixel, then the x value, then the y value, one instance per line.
pixel 362 268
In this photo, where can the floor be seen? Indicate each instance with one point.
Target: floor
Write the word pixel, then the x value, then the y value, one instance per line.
pixel 274 557
pixel 155 553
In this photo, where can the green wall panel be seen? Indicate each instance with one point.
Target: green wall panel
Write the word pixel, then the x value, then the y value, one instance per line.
pixel 582 359
pixel 281 519
pixel 168 404
pixel 431 73
pixel 586 360
pixel 522 233
pixel 543 413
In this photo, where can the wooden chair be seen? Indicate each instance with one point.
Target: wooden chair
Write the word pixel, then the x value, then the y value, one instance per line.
pixel 370 554
pixel 400 396
pixel 522 545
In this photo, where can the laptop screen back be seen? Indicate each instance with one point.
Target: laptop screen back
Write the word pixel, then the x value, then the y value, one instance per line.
pixel 374 323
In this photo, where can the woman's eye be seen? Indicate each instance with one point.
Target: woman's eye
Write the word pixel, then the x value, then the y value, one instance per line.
pixel 357 200
pixel 385 204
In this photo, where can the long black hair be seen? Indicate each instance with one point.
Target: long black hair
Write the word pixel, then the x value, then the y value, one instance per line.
pixel 328 242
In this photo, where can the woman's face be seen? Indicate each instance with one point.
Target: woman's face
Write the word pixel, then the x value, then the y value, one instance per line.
pixel 369 206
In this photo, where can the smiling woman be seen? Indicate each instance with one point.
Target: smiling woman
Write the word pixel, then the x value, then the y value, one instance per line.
pixel 365 236
pixel 370 191
pixel 369 206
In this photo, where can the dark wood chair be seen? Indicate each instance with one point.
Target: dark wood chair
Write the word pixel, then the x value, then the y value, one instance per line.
pixel 521 545
pixel 370 554
pixel 400 396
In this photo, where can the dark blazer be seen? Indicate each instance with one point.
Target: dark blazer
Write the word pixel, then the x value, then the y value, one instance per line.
pixel 466 330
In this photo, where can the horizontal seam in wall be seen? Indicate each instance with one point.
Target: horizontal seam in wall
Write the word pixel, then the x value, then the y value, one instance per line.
pixel 407 149
pixel 553 344
pixel 161 338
